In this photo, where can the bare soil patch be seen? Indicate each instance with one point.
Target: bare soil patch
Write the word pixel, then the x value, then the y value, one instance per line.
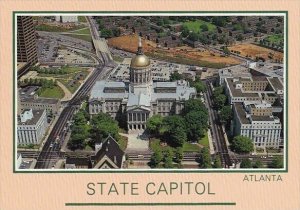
pixel 184 54
pixel 256 51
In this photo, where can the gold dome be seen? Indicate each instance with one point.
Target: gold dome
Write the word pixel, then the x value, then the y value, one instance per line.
pixel 140 61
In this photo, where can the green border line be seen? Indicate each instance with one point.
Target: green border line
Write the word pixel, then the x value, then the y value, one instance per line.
pixel 49 171
pixel 14 95
pixel 154 204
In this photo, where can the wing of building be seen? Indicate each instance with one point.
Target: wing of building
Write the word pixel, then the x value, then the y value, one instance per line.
pixel 256 93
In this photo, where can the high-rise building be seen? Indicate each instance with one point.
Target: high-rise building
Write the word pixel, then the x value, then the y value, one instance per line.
pixel 26 42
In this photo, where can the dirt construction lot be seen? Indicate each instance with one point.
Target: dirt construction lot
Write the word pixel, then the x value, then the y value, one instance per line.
pixel 256 51
pixel 185 54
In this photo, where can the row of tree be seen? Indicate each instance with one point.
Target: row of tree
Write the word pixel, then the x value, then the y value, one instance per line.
pixel 62 70
pixel 44 83
pixel 177 129
pixel 165 158
pixel 277 162
pixel 85 130
pixel 206 160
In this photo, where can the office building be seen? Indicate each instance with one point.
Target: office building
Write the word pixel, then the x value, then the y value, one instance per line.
pixel 32 125
pixel 26 41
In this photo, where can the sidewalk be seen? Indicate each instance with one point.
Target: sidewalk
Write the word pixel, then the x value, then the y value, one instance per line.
pixel 68 94
pixel 211 146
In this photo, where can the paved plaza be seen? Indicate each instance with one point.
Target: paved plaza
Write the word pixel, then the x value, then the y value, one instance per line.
pixel 136 143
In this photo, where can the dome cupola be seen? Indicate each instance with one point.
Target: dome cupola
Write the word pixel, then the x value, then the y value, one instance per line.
pixel 140 60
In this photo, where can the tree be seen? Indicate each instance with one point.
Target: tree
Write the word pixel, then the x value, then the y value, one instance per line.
pixel 205 159
pixel 194 105
pixel 218 90
pixel 257 164
pixel 156 158
pixel 106 33
pixel 103 124
pixel 168 158
pixel 217 162
pixel 246 163
pixel 116 32
pixel 277 162
pixel 185 31
pixel 220 101
pixel 193 36
pixel 80 131
pixel 100 24
pixel 204 27
pixel 175 76
pixel 226 51
pixel 225 114
pixel 239 37
pixel 219 20
pixel 196 122
pixel 175 130
pixel 199 85
pixel 178 155
pixel 160 22
pixel 242 144
pixel 154 124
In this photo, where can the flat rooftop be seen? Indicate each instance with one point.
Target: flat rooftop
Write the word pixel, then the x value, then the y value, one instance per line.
pixel 238 92
pixel 276 83
pixel 36 116
pixel 241 113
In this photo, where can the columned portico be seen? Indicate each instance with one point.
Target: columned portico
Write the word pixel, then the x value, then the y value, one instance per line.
pixel 137 120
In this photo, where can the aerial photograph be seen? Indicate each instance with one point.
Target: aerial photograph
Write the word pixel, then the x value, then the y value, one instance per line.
pixel 198 92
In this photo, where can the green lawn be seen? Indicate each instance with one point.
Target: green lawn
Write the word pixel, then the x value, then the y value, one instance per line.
pixel 123 143
pixel 195 25
pixel 86 37
pixel 204 141
pixel 155 144
pixel 188 147
pixel 276 38
pixel 52 28
pixel 71 69
pixel 82 19
pixel 82 31
pixel 55 92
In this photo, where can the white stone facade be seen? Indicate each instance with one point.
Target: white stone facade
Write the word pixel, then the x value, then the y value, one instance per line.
pixel 32 126
pixel 265 131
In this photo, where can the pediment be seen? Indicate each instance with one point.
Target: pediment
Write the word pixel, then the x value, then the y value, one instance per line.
pixel 138 109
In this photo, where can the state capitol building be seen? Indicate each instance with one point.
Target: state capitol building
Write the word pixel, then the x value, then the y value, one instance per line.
pixel 141 98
